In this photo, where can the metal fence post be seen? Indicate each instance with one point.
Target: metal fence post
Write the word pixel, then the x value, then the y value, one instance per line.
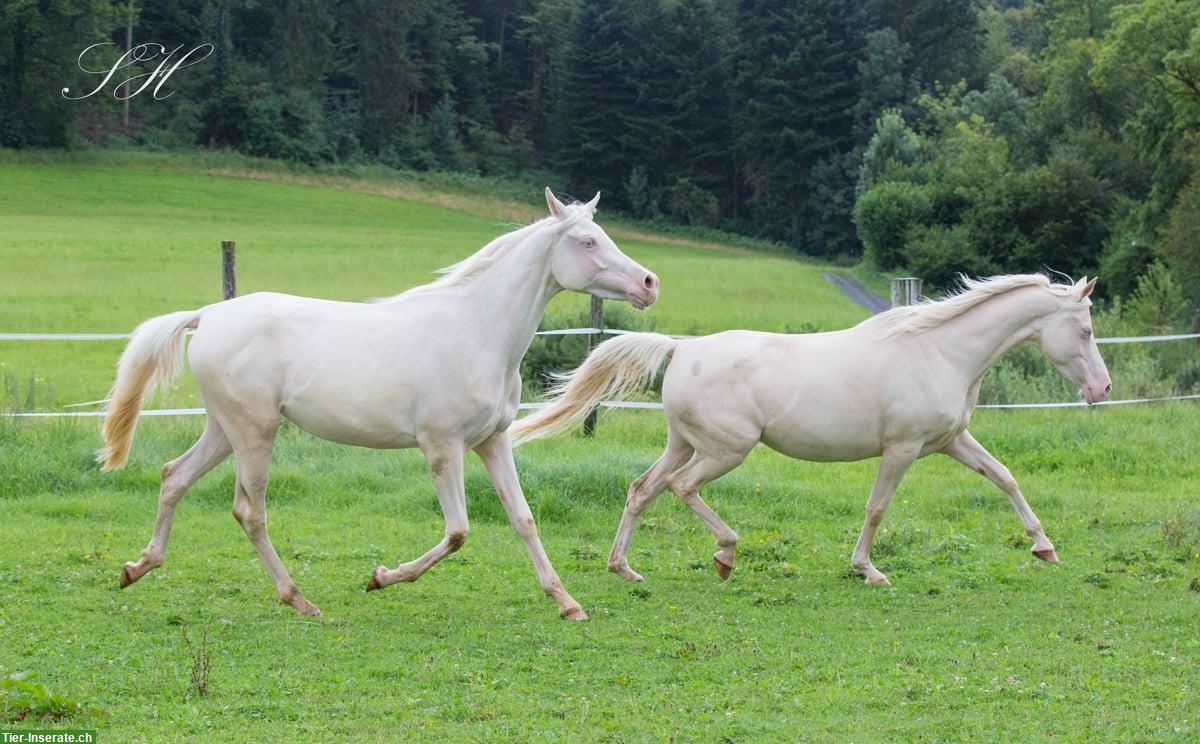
pixel 595 320
pixel 228 270
pixel 906 290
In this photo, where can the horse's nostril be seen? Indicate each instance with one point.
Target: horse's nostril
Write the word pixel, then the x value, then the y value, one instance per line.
pixel 649 281
pixel 1107 388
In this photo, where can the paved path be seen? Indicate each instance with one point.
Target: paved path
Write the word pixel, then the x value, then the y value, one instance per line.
pixel 857 291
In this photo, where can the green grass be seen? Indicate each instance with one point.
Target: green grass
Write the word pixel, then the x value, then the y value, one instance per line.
pixel 976 640
pixel 100 247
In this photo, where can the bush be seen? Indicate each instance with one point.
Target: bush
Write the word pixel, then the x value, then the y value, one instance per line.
pixel 1157 304
pixel 288 126
pixel 688 202
pixel 643 202
pixel 885 215
pixel 1124 259
pixel 938 254
pixel 1178 246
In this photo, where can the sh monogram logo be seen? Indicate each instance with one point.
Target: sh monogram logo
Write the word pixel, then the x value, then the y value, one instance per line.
pixel 167 66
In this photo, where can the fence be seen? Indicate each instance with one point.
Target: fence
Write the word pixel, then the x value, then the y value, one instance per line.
pixel 904 291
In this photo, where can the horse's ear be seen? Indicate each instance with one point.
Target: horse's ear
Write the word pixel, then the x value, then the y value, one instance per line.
pixel 1087 288
pixel 556 207
pixel 591 206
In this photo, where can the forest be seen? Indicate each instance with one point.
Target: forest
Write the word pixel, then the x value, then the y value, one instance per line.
pixel 925 136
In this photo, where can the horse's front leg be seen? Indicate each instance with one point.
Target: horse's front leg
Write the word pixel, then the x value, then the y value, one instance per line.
pixel 971 453
pixel 895 462
pixel 496 453
pixel 446 466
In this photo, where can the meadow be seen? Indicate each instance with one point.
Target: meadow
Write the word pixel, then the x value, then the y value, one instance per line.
pixel 975 640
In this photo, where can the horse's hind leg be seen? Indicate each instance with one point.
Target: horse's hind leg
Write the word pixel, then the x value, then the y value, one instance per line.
pixel 642 492
pixel 252 448
pixel 177 476
pixel 686 484
pixel 446 466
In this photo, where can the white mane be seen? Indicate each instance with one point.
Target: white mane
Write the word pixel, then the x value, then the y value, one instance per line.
pixel 472 266
pixel 932 313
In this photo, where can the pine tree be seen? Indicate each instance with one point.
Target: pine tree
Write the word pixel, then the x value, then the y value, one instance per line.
pixel 701 107
pixel 793 95
pixel 597 100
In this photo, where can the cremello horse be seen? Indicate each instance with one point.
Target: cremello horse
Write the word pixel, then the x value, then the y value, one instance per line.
pixel 435 367
pixel 899 386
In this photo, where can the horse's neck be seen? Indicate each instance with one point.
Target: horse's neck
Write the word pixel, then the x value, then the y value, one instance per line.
pixel 506 301
pixel 977 339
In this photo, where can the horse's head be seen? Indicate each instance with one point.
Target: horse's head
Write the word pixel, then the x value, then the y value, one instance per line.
pixel 585 259
pixel 1066 338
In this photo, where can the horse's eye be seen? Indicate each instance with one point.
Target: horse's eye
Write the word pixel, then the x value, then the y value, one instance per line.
pixel 588 244
pixel 1087 332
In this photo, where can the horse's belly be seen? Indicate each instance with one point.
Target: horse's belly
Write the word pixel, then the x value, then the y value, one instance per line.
pixel 804 441
pixel 363 428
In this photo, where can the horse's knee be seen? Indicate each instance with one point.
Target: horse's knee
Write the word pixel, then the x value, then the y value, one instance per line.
pixel 875 515
pixel 456 538
pixel 525 526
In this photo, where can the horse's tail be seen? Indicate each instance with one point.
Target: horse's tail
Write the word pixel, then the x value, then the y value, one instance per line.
pixel 152 358
pixel 615 369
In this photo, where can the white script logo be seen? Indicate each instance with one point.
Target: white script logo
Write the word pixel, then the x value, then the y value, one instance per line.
pixel 142 53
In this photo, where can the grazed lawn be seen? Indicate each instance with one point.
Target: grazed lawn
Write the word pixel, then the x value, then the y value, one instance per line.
pixel 975 640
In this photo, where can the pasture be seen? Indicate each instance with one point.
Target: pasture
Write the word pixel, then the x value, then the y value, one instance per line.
pixel 976 639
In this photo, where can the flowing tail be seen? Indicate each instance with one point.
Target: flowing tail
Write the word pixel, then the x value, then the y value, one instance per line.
pixel 615 369
pixel 152 358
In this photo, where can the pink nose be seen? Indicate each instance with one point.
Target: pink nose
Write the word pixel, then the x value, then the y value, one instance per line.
pixel 650 282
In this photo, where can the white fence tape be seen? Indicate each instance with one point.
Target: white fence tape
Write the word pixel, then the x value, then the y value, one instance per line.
pixel 554 332
pixel 530 406
pixel 627 404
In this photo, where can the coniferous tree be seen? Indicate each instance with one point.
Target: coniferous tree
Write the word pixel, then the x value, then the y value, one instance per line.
pixel 597 100
pixel 702 99
pixel 793 95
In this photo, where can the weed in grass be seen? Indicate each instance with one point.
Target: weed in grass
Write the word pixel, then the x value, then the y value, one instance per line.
pixel 22 698
pixel 200 658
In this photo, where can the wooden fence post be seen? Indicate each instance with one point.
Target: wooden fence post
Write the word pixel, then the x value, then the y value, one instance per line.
pixel 906 290
pixel 229 270
pixel 595 320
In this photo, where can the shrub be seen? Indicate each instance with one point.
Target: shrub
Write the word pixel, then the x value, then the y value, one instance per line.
pixel 938 254
pixel 884 216
pixel 688 202
pixel 1157 303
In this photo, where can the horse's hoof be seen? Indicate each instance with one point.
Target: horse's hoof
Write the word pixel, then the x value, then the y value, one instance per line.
pixel 878 579
pixel 723 569
pixel 375 582
pixel 1048 555
pixel 304 607
pixel 126 575
pixel 625 572
pixel 575 613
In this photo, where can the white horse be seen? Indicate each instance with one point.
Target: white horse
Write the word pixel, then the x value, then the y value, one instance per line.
pixel 899 386
pixel 435 367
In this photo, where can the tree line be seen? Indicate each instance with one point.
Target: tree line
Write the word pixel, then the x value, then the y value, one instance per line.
pixel 932 136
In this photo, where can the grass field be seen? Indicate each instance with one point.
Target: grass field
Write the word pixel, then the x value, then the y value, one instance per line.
pixel 976 640
pixel 101 247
